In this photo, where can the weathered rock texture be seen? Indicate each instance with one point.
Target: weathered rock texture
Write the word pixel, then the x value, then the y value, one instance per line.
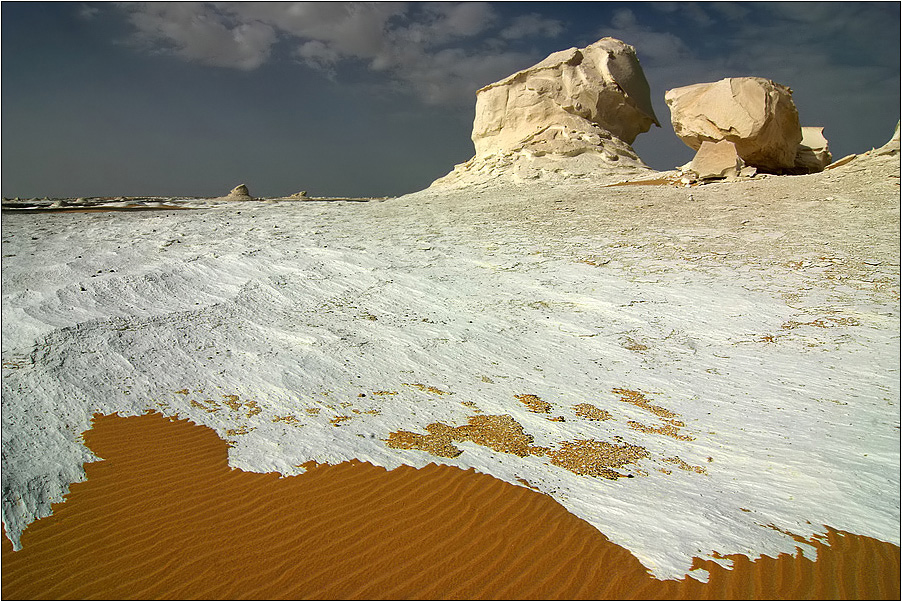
pixel 239 193
pixel 813 154
pixel 890 149
pixel 573 114
pixel 717 160
pixel 755 114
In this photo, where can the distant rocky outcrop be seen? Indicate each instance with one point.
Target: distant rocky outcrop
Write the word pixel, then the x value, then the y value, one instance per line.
pixel 239 193
pixel 573 114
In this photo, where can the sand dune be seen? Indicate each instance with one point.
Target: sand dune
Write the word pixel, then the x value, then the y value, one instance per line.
pixel 163 516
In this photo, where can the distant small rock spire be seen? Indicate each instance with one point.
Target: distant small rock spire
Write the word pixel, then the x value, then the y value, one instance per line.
pixel 239 193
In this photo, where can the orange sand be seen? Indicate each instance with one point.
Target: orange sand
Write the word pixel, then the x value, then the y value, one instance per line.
pixel 163 516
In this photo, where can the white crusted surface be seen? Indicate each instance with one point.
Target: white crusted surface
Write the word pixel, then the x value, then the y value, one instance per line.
pixel 769 313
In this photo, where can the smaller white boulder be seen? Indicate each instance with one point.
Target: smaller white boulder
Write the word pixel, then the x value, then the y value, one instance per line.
pixel 717 160
pixel 813 154
pixel 754 113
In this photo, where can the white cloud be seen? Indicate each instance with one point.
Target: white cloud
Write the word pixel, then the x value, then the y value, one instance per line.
pixel 532 24
pixel 410 42
pixel 351 29
pixel 461 19
pixel 731 10
pixel 654 48
pixel 318 55
pixel 88 12
pixel 451 76
pixel 624 18
pixel 442 52
pixel 196 33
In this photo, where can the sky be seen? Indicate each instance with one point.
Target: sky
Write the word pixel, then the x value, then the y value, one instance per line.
pixel 377 99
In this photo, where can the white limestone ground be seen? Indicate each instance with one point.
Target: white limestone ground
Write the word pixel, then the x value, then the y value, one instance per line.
pixel 764 313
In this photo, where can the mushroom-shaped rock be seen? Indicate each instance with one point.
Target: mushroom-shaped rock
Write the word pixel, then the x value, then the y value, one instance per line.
pixel 574 113
pixel 239 193
pixel 755 114
pixel 601 85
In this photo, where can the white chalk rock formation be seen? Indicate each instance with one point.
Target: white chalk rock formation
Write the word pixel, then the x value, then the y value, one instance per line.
pixel 891 147
pixel 755 114
pixel 813 153
pixel 573 114
pixel 239 193
pixel 717 160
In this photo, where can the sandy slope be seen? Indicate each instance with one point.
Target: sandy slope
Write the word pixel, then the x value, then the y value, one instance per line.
pixel 163 517
pixel 743 336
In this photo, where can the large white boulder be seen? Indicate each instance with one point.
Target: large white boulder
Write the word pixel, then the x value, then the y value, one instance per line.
pixel 573 114
pixel 755 114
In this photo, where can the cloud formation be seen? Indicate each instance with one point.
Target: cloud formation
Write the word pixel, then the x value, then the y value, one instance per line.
pixel 654 47
pixel 196 32
pixel 442 52
pixel 439 53
pixel 532 24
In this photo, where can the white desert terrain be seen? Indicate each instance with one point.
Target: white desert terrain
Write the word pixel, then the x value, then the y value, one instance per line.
pixel 696 370
pixel 740 341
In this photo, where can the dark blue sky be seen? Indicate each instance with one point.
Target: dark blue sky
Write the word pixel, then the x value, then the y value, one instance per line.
pixel 377 99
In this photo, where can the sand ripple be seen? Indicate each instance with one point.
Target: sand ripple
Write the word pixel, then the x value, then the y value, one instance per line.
pixel 163 516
